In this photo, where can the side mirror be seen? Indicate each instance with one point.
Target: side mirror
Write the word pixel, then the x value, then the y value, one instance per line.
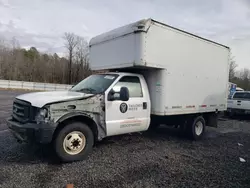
pixel 124 94
pixel 111 95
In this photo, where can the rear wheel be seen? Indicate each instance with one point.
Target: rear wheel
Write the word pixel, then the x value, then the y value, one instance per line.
pixel 74 142
pixel 196 128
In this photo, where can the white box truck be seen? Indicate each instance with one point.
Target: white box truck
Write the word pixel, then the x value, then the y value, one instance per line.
pixel 156 75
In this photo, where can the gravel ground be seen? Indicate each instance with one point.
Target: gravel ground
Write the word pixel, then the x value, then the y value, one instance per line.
pixel 159 159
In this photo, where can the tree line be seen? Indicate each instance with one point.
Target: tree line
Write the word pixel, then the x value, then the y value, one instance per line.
pixel 241 77
pixel 17 63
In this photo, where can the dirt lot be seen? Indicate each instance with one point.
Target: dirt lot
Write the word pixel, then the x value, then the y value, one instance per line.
pixel 159 159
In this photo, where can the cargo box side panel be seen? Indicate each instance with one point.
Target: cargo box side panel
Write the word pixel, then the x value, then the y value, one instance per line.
pixel 193 92
pixel 154 79
pixel 120 52
pixel 196 79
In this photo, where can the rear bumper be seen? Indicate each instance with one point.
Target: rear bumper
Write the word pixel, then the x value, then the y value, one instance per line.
pixel 31 132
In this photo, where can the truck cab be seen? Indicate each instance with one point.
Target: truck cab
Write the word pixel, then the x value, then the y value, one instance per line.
pixel 99 106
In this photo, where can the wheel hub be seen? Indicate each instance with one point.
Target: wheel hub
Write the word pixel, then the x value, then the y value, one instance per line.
pixel 74 142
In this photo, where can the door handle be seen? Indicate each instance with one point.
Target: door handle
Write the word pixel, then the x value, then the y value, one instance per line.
pixel 144 105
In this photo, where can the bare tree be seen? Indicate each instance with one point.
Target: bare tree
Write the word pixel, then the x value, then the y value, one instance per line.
pixel 17 63
pixel 82 52
pixel 244 74
pixel 15 43
pixel 232 68
pixel 70 44
pixel 244 78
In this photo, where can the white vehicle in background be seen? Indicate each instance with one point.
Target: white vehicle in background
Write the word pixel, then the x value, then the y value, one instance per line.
pixel 239 103
pixel 153 70
pixel 239 89
pixel 232 87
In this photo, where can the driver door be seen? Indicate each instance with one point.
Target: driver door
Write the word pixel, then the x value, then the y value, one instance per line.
pixel 127 116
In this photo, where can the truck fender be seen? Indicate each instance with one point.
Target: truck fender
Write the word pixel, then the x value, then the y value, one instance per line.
pixel 78 116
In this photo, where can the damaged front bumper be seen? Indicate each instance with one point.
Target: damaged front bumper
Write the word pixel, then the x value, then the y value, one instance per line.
pixel 31 132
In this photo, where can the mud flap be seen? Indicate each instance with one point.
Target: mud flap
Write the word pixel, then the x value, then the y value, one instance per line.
pixel 211 119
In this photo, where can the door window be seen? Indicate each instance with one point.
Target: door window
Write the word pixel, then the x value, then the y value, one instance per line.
pixel 132 83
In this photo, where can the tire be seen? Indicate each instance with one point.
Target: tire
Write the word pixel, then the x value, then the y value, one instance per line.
pixel 197 128
pixel 67 145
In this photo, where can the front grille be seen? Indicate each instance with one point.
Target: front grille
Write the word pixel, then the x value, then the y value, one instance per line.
pixel 22 111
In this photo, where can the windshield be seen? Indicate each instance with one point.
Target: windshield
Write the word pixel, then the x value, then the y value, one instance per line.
pixel 95 84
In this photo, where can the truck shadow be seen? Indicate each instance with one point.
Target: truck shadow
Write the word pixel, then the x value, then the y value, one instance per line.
pixel 162 133
pixel 238 117
pixel 165 133
pixel 29 154
pixel 37 154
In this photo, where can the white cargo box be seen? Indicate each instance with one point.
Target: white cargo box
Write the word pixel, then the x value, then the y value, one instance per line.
pixel 191 73
pixel 152 44
pixel 187 90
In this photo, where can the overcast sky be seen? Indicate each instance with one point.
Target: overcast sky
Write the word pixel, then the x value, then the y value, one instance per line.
pixel 41 23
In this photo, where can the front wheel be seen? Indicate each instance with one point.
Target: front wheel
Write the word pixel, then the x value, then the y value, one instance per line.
pixel 74 142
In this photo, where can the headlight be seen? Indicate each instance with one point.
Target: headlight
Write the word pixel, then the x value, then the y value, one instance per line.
pixel 42 115
pixel 43 112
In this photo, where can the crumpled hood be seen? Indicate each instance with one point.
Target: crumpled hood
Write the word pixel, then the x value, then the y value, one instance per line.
pixel 39 99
